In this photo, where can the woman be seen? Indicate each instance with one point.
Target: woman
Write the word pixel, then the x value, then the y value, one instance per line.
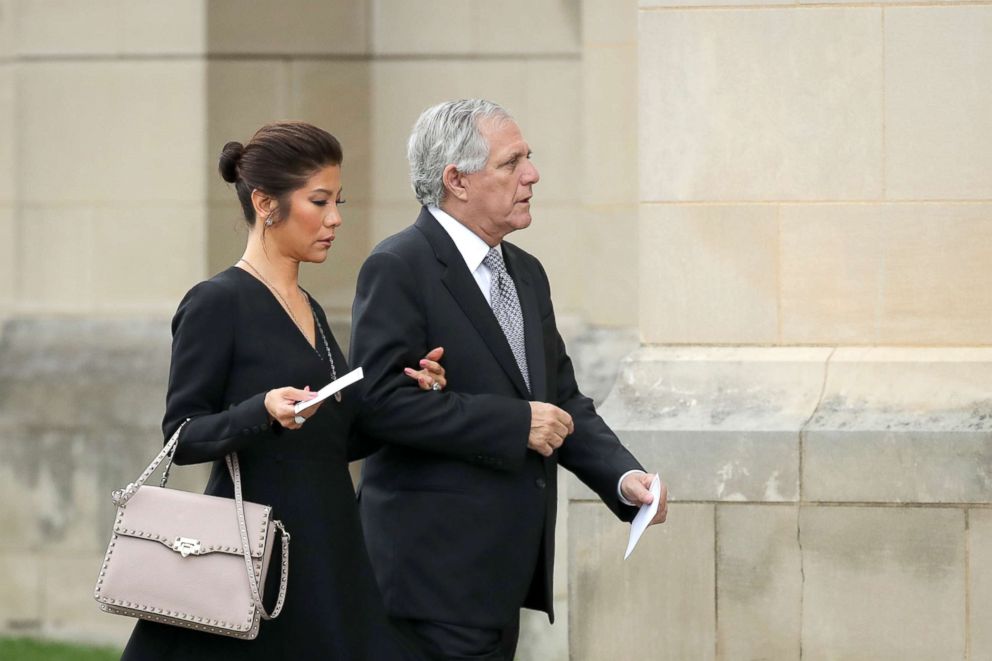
pixel 247 345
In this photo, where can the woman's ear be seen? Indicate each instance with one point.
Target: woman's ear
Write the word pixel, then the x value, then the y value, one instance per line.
pixel 264 205
pixel 455 183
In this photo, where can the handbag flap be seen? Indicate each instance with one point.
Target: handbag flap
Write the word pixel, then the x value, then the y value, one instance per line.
pixel 192 523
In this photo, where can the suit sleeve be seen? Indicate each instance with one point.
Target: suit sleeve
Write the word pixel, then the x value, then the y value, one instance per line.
pixel 202 351
pixel 389 332
pixel 593 452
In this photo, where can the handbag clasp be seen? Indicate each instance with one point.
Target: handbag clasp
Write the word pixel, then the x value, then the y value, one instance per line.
pixel 186 546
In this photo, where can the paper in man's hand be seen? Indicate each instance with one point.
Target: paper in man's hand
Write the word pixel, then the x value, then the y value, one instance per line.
pixel 644 516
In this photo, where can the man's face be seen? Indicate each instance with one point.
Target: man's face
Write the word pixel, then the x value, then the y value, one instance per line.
pixel 499 194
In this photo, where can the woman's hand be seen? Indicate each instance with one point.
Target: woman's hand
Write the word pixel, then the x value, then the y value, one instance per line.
pixel 431 373
pixel 280 401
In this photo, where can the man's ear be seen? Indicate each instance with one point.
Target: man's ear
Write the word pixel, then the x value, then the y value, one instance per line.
pixel 264 205
pixel 455 183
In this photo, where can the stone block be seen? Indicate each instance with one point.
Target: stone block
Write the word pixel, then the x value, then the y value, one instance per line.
pixel 288 27
pixel 608 22
pixel 938 135
pixel 711 465
pixel 242 95
pixel 759 582
pixel 8 255
pixel 596 352
pixel 110 27
pixel 19 518
pixel 525 26
pixel 886 274
pixel 980 582
pixel 64 27
pixel 68 605
pixel 708 289
pixel 146 260
pixel 8 40
pixel 150 27
pixel 902 425
pixel 676 4
pixel 8 134
pixel 387 219
pixel 883 583
pixel 661 599
pixel 336 96
pixel 60 490
pixel 442 27
pixel 129 131
pixel 226 235
pixel 555 238
pixel 55 235
pixel 761 105
pixel 550 121
pixel 64 361
pixel 540 641
pixel 20 584
pixel 612 278
pixel 609 120
pixel 730 389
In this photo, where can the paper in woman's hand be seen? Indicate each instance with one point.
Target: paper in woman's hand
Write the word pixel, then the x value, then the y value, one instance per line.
pixel 337 385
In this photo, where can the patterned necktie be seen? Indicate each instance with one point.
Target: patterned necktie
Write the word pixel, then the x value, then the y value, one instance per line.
pixel 506 306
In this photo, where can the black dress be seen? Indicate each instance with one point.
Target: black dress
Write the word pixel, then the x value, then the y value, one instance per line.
pixel 233 342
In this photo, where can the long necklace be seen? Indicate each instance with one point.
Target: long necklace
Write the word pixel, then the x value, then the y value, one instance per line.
pixel 316 322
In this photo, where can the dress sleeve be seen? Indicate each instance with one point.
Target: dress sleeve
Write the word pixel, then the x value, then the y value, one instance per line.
pixel 202 353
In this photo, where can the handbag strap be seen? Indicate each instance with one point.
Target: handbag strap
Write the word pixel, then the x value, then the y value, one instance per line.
pixel 120 497
pixel 234 468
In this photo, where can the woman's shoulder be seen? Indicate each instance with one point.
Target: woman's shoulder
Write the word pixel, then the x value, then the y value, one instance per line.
pixel 212 297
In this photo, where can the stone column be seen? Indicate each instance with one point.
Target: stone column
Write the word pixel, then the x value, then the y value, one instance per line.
pixel 103 218
pixel 815 223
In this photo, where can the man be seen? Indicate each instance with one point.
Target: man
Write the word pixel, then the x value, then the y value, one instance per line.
pixel 459 506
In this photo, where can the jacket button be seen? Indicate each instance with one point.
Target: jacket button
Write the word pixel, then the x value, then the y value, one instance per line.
pixel 540 483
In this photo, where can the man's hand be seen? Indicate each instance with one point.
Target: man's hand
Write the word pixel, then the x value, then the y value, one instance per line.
pixel 549 425
pixel 636 488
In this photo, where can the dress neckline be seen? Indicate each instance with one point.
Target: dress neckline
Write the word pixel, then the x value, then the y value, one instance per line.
pixel 272 297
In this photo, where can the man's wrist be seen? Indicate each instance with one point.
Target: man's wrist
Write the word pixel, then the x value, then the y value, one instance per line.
pixel 620 484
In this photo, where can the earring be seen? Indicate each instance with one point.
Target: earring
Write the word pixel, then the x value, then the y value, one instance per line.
pixel 268 221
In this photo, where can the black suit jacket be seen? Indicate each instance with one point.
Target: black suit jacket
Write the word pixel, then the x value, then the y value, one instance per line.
pixel 459 515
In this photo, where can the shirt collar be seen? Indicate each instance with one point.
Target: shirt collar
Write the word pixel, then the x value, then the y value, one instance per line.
pixel 472 248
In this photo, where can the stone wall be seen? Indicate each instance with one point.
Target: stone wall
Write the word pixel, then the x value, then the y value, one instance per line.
pixel 814 222
pixel 827 503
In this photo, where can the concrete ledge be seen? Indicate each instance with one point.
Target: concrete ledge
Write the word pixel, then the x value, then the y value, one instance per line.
pixel 902 425
pixel 863 425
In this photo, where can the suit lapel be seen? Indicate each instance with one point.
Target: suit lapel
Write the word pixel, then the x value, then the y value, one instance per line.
pixel 465 290
pixel 533 333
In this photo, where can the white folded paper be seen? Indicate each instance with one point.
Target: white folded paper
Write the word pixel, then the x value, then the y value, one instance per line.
pixel 338 384
pixel 644 516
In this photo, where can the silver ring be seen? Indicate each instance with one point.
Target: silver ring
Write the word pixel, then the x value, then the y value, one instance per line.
pixel 435 386
pixel 299 419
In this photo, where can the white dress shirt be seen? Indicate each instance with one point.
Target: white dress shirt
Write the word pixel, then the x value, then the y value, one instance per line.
pixel 473 250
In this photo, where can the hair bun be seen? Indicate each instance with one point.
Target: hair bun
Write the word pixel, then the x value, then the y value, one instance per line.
pixel 230 156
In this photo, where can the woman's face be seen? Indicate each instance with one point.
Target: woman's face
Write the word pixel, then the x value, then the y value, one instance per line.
pixel 308 231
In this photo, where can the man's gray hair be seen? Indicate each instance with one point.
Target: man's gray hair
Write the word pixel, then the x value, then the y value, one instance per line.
pixel 448 134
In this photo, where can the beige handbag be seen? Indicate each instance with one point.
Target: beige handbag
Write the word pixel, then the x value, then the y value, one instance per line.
pixel 190 559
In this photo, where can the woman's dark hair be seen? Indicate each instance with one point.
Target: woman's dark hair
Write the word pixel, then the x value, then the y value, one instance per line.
pixel 277 160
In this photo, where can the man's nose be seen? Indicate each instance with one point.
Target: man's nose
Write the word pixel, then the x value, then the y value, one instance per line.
pixel 531 176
